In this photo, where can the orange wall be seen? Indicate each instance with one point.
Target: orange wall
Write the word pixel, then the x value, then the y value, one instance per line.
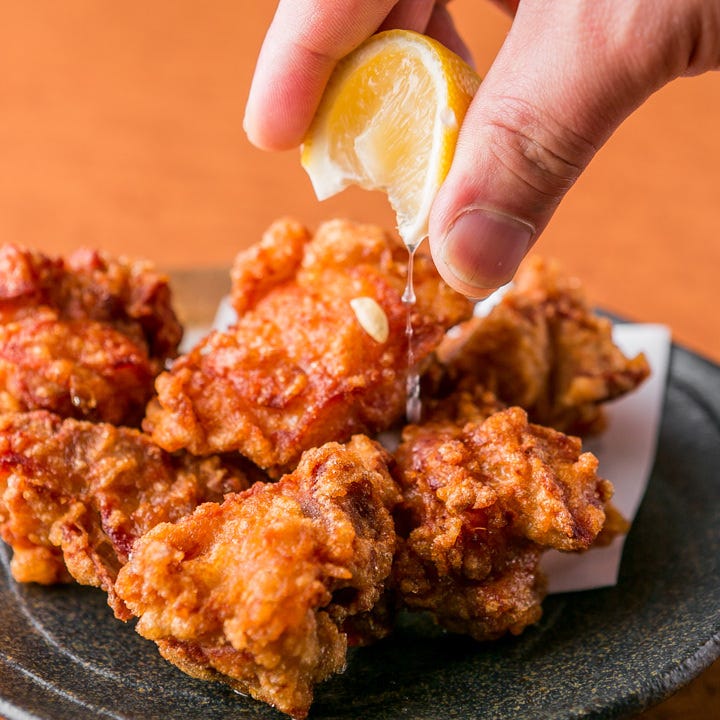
pixel 120 127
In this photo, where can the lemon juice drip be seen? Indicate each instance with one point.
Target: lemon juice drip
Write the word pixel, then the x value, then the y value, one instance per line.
pixel 413 404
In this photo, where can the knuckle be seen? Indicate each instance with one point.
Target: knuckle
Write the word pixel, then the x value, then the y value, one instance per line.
pixel 543 153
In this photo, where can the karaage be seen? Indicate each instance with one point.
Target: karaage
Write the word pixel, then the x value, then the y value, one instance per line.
pixel 481 501
pixel 300 367
pixel 259 591
pixel 264 585
pixel 75 496
pixel 544 349
pixel 83 336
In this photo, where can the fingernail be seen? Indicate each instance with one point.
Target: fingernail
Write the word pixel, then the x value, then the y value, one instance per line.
pixel 483 248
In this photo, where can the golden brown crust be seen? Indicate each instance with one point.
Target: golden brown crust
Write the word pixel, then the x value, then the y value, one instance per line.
pixel 263 586
pixel 83 336
pixel 75 496
pixel 544 349
pixel 78 368
pixel 481 502
pixel 256 591
pixel 298 369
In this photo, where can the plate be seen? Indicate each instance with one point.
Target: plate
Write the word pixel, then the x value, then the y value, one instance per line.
pixel 605 653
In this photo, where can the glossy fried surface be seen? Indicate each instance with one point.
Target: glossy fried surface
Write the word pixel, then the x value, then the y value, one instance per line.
pixel 544 349
pixel 77 368
pixel 75 496
pixel 264 585
pixel 257 591
pixel 82 336
pixel 298 369
pixel 481 502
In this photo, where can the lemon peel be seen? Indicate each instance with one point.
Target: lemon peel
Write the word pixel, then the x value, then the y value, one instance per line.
pixel 389 120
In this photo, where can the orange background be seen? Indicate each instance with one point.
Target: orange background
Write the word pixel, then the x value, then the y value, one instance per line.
pixel 120 128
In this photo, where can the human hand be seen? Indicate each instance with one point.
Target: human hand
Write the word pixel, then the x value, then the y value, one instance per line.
pixel 566 76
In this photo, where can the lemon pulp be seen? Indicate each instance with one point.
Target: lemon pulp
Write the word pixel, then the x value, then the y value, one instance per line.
pixel 389 121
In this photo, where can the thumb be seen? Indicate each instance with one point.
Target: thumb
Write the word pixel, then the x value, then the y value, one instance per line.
pixel 562 82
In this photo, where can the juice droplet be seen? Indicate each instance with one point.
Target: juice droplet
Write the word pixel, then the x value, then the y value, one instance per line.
pixel 409 294
pixel 413 403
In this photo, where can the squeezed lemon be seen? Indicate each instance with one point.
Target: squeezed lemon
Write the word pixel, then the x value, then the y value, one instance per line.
pixel 389 120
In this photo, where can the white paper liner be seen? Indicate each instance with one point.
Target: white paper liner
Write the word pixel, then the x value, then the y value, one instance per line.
pixel 626 450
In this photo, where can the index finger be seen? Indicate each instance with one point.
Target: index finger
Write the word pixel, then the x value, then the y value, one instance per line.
pixel 304 42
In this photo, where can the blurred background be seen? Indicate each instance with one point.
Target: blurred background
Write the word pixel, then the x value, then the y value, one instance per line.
pixel 121 128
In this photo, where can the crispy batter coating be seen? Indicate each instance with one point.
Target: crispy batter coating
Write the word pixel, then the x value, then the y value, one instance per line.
pixel 75 496
pixel 77 368
pixel 543 348
pixel 84 336
pixel 473 404
pixel 130 295
pixel 481 501
pixel 298 369
pixel 257 591
pixel 263 585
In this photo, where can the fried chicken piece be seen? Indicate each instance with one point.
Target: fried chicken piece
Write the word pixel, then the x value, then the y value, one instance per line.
pixel 129 295
pixel 474 404
pixel 481 502
pixel 298 369
pixel 258 592
pixel 82 337
pixel 75 368
pixel 75 496
pixel 543 348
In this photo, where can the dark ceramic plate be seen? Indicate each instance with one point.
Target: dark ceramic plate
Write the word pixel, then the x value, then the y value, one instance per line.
pixel 598 654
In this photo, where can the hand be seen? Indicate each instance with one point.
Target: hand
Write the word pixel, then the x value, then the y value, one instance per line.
pixel 566 76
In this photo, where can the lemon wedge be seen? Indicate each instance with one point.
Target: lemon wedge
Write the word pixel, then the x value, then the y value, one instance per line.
pixel 389 120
